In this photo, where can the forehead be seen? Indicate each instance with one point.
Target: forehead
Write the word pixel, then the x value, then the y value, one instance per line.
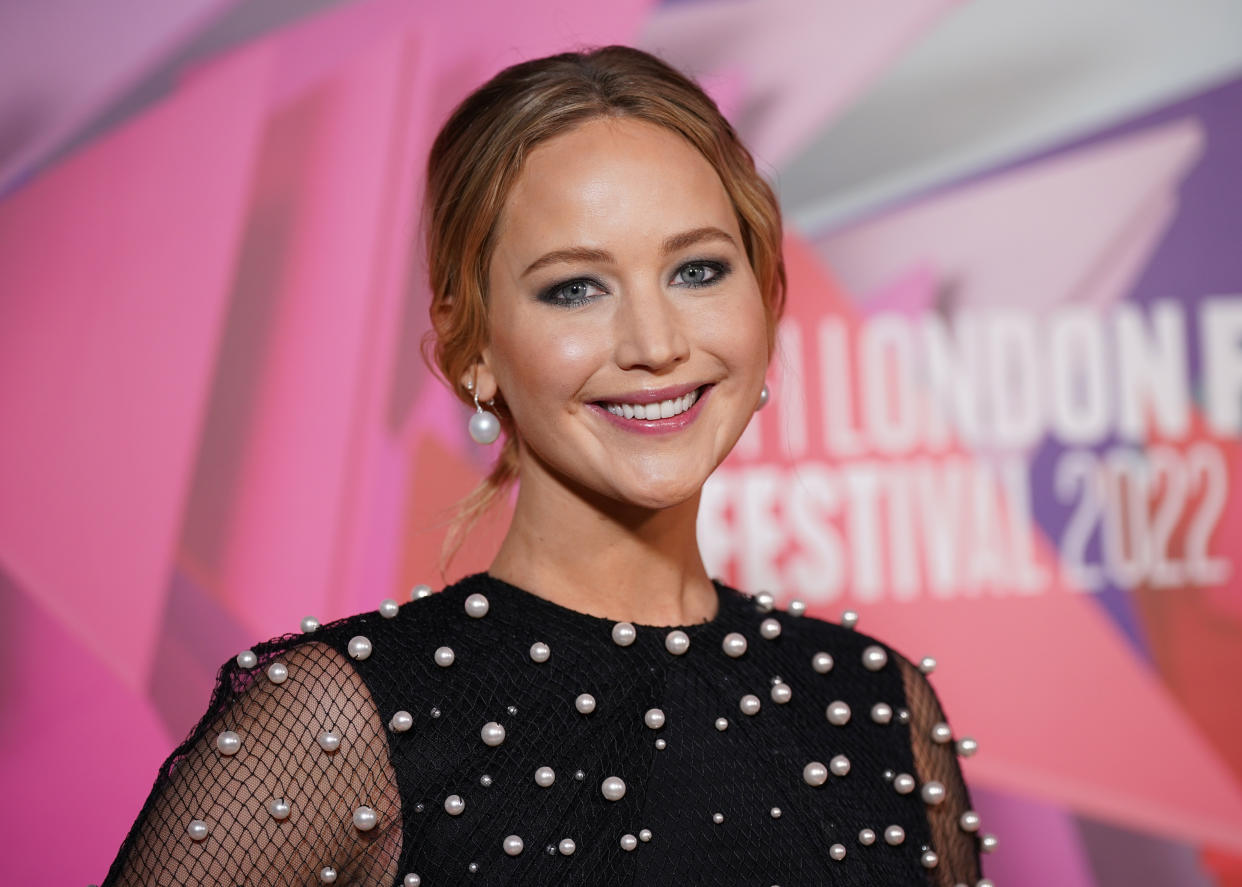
pixel 611 179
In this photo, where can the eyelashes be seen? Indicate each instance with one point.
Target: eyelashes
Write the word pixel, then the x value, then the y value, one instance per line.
pixel 578 291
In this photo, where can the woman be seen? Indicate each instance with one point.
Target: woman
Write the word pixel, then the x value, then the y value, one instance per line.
pixel 606 276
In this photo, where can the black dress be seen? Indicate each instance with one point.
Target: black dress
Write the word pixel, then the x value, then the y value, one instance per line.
pixel 484 735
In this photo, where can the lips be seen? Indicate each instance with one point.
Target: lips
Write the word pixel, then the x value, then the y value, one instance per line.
pixel 655 411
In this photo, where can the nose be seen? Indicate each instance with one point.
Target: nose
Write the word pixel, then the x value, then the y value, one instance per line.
pixel 650 331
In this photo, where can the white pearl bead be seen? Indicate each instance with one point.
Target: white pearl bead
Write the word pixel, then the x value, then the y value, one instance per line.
pixel 988 843
pixel 941 733
pixel 677 642
pixel 484 427
pixel 821 662
pixel 514 845
pixel 454 805
pixel 903 715
pixel 585 703
pixel 359 647
pixel 654 718
pixel 894 835
pixel 765 601
pixel 903 783
pixel 544 777
pixel 661 744
pixel 866 837
pixel 279 809
pixel 493 734
pixel 624 634
pixel 722 724
pixel 327 875
pixel 247 659
pixel 933 792
pixel 839 765
pixel 838 713
pixel 613 788
pixel 389 608
pixel 228 743
pixel 277 672
pixel 749 704
pixel 477 606
pixel 401 721
pixel 734 644
pixel 881 712
pixel 628 842
pixel 781 693
pixel 969 821
pixel 197 830
pixel 849 618
pixel 797 607
pixel 770 628
pixel 644 835
pixel 365 819
pixel 412 880
pixel 927 665
pixel 329 740
pixel 929 859
pixel 567 846
pixel 445 656
pixel 717 818
pixel 815 774
pixel 539 651
pixel 874 658
pixel 485 781
pixel 967 746
pixel 420 591
pixel 775 812
pixel 309 624
pixel 837 852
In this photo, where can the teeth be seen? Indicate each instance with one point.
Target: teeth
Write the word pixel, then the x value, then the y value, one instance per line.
pixel 664 409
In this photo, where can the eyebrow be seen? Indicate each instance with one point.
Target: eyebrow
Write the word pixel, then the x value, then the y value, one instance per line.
pixel 671 244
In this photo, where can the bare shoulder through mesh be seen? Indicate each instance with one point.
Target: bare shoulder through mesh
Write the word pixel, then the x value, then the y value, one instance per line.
pixel 265 789
pixel 935 760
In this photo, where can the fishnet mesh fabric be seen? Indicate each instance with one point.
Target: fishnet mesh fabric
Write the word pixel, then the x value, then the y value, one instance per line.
pixel 280 758
pixel 743 772
pixel 933 761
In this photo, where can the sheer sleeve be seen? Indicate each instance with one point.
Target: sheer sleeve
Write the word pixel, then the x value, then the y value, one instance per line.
pixel 286 780
pixel 952 820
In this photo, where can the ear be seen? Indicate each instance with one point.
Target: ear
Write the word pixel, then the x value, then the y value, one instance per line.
pixel 480 373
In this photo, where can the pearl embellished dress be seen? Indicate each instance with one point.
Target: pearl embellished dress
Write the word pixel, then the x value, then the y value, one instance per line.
pixel 484 735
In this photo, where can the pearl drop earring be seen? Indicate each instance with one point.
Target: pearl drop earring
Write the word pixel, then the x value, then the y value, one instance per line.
pixel 484 426
pixel 764 396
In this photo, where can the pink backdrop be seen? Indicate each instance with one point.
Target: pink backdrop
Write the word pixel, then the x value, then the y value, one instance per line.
pixel 1005 423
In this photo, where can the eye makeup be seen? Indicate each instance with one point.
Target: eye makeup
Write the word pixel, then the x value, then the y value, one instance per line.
pixel 577 291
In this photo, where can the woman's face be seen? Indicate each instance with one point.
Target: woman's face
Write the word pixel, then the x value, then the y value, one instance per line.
pixel 619 295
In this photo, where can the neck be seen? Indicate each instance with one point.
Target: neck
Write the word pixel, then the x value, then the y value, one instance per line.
pixel 604 558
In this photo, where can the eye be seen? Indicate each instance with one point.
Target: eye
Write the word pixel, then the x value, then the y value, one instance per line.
pixel 572 292
pixel 695 274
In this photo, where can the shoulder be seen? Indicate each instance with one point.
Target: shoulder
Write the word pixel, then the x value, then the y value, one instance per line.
pixel 842 640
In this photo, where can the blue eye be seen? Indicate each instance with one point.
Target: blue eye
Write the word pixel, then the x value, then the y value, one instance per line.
pixel 571 292
pixel 696 274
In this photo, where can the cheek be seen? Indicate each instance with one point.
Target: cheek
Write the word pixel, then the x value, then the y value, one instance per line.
pixel 737 331
pixel 544 358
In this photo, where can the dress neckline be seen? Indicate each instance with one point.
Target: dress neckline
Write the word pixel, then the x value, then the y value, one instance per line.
pixel 729 602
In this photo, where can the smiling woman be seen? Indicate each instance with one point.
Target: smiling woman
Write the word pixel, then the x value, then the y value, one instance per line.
pixel 594 709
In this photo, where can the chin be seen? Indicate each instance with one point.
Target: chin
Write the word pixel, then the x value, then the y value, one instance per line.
pixel 659 495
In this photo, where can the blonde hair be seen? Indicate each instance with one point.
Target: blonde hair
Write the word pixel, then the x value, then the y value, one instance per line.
pixel 478 156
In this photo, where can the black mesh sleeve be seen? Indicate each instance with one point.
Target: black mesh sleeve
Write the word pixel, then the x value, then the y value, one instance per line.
pixel 935 759
pixel 265 789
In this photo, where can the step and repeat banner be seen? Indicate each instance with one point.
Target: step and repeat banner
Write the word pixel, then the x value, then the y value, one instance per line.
pixel 1005 424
